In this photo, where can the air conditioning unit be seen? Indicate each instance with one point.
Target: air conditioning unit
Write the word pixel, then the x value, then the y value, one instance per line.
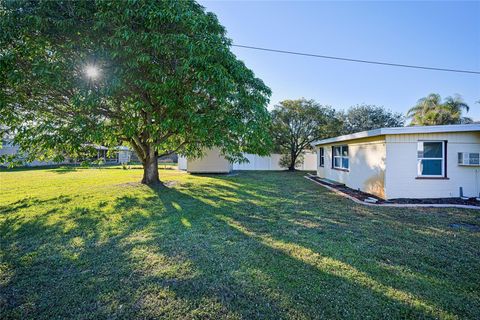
pixel 469 159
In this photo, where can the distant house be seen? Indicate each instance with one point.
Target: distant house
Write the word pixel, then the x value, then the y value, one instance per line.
pixel 214 162
pixel 122 154
pixel 406 162
pixel 8 148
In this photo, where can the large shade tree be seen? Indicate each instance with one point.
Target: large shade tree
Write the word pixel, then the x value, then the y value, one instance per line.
pixel 367 117
pixel 157 75
pixel 431 110
pixel 297 123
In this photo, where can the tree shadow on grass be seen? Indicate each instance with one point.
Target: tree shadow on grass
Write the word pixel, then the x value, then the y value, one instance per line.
pixel 395 249
pixel 64 169
pixel 57 168
pixel 78 267
pixel 29 202
pixel 187 253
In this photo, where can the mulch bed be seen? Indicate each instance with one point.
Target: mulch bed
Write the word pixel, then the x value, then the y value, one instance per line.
pixel 468 202
pixel 465 226
pixel 360 195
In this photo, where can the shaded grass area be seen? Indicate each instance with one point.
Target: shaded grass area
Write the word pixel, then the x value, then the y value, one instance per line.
pixel 93 243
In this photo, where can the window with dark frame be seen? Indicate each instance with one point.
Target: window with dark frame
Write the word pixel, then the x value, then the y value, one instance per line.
pixel 340 157
pixel 321 157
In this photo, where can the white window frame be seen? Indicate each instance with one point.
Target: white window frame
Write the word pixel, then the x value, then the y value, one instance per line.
pixel 341 157
pixel 321 157
pixel 419 159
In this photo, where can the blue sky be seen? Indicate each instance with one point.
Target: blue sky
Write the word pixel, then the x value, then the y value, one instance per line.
pixel 439 34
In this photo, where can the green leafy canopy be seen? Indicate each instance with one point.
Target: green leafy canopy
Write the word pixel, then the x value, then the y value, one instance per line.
pixel 168 81
pixel 365 117
pixel 297 123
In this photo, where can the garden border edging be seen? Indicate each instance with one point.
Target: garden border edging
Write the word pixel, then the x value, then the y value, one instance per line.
pixel 395 205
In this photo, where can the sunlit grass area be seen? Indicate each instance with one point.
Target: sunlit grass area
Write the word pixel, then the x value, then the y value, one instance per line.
pixel 93 243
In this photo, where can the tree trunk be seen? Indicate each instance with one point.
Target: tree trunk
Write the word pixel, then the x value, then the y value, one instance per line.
pixel 293 159
pixel 150 170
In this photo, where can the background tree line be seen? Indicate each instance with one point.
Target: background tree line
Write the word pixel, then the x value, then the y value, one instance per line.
pixel 298 123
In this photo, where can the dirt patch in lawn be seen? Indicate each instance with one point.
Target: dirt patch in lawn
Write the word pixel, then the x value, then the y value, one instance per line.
pixel 129 184
pixel 171 184
pixel 167 184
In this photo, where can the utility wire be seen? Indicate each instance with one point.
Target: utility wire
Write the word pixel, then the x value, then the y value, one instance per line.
pixel 357 60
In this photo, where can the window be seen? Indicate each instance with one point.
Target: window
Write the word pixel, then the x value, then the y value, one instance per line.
pixel 321 157
pixel 340 157
pixel 431 158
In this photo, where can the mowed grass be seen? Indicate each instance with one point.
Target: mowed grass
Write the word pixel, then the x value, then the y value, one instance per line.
pixel 93 243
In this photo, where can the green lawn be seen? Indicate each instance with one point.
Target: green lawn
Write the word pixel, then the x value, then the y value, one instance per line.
pixel 93 243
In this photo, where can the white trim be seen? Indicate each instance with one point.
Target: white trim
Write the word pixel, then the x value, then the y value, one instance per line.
pixel 442 159
pixel 341 157
pixel 401 130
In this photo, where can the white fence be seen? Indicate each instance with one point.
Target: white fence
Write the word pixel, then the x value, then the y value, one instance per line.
pixel 272 162
pixel 264 163
pixel 309 162
pixel 182 163
pixel 256 162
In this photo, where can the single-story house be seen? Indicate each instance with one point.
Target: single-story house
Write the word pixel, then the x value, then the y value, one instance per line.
pixel 405 162
pixel 214 162
pixel 122 154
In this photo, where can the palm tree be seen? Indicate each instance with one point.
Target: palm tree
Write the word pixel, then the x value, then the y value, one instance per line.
pixel 423 113
pixel 453 108
pixel 431 111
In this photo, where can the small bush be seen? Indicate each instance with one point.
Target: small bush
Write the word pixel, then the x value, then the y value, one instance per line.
pixel 285 161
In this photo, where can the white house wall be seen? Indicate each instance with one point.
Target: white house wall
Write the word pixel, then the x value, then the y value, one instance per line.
pixel 366 165
pixel 402 167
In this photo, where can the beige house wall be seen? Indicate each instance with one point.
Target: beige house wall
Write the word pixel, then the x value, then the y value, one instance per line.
pixel 366 168
pixel 400 179
pixel 211 162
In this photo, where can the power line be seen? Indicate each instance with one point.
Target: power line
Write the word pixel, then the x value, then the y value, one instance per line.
pixel 357 60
